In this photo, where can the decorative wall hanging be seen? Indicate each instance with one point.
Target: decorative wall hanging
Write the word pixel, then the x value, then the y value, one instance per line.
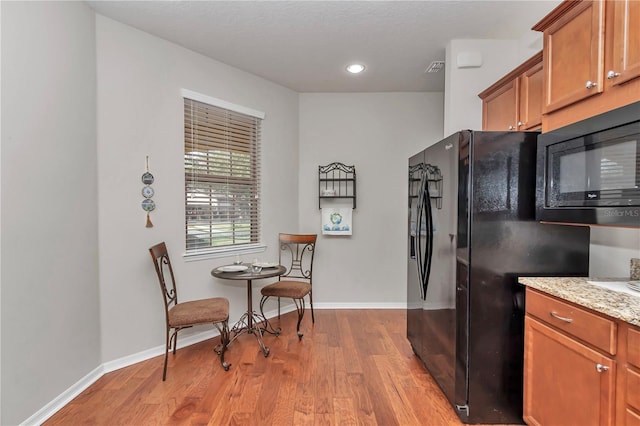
pixel 148 204
pixel 337 221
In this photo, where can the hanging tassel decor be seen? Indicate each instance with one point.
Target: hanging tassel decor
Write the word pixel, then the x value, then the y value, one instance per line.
pixel 148 204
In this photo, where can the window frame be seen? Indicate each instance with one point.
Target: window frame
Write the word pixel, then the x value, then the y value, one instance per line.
pixel 228 250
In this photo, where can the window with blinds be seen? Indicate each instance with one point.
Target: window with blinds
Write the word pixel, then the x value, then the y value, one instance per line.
pixel 222 177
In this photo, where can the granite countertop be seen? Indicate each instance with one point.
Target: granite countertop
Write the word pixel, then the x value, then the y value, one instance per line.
pixel 624 306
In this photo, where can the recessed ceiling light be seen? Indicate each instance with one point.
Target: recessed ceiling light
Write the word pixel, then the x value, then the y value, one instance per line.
pixel 355 68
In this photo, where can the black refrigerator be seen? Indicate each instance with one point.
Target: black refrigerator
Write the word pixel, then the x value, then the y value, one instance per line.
pixel 471 233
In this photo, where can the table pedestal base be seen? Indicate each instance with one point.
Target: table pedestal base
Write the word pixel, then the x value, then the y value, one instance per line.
pixel 250 322
pixel 247 324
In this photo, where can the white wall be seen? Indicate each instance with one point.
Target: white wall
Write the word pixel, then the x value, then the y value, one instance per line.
pixel 376 132
pixel 140 113
pixel 462 106
pixel 50 312
pixel 611 251
pixel 529 44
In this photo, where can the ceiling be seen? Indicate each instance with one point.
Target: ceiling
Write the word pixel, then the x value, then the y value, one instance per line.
pixel 306 45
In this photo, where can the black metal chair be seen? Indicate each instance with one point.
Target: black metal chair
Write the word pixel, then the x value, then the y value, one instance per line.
pixel 296 254
pixel 187 314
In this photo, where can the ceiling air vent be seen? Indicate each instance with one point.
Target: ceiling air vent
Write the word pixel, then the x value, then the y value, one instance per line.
pixel 434 66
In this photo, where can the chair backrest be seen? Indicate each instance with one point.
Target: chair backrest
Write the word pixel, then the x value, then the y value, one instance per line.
pixel 167 281
pixel 296 254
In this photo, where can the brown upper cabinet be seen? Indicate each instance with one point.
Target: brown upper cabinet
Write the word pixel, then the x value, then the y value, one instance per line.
pixel 591 59
pixel 573 53
pixel 515 101
pixel 625 63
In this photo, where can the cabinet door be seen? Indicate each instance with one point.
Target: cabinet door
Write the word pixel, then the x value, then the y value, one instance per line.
pixel 563 383
pixel 632 419
pixel 573 55
pixel 626 42
pixel 631 392
pixel 530 104
pixel 499 109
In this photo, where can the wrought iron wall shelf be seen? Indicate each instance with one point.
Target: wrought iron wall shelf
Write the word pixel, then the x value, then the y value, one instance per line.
pixel 336 181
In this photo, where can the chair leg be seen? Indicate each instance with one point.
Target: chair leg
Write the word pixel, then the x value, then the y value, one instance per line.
pixel 267 325
pixel 278 308
pixel 174 337
pixel 224 342
pixel 166 356
pixel 300 308
pixel 313 318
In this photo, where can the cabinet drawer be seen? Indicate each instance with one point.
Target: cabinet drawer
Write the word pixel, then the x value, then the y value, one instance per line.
pixel 591 328
pixel 633 347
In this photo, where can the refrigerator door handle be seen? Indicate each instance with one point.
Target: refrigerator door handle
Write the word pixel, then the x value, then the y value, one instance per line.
pixel 418 238
pixel 429 236
pixel 424 231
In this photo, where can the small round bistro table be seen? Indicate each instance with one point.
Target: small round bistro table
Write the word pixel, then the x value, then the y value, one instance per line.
pixel 248 322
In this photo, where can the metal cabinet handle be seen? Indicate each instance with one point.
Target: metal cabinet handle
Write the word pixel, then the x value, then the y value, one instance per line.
pixel 601 368
pixel 590 84
pixel 565 319
pixel 520 123
pixel 612 74
pixel 511 128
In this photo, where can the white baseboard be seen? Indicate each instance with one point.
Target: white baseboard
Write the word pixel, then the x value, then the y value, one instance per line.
pixel 183 341
pixel 364 305
pixel 64 398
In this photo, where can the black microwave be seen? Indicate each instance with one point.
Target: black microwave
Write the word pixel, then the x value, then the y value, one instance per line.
pixel 589 172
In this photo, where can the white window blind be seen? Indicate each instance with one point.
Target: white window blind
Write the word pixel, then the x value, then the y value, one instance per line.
pixel 222 177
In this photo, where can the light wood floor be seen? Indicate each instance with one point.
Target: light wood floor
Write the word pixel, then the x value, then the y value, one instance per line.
pixel 351 367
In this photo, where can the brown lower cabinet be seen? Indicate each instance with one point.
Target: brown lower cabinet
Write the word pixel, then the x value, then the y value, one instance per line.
pixel 563 385
pixel 631 404
pixel 580 367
